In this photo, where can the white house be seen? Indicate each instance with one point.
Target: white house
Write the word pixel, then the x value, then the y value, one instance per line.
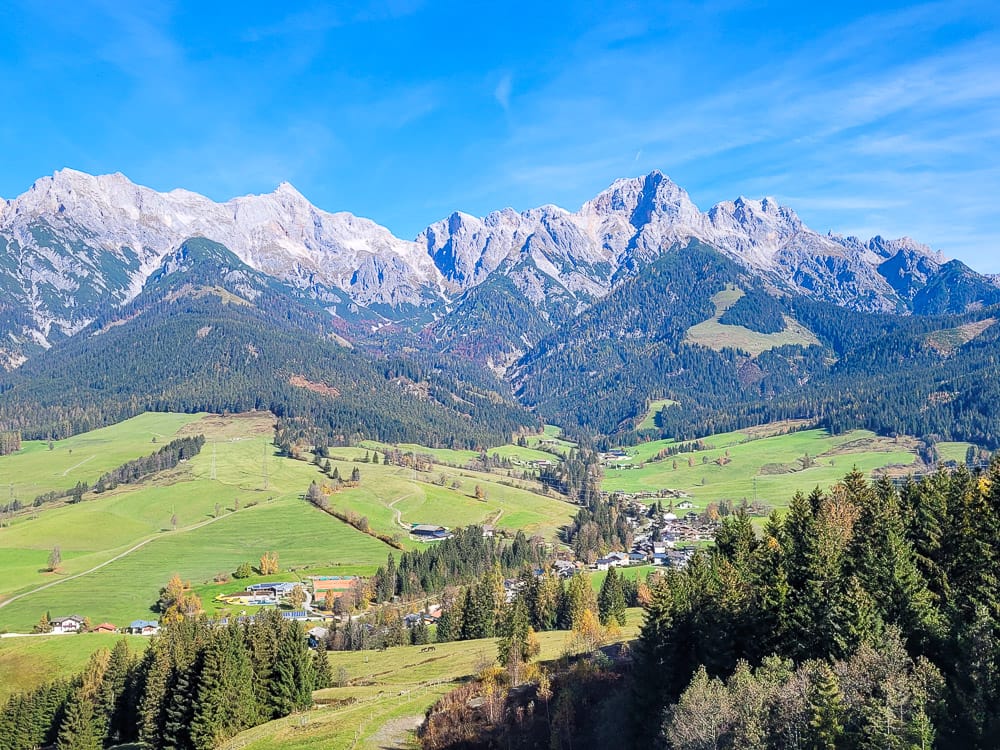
pixel 70 624
pixel 144 627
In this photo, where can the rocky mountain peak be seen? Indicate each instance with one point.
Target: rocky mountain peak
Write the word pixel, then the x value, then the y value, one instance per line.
pixel 642 200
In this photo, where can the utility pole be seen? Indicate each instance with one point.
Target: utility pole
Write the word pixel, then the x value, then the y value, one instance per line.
pixel 214 476
pixel 265 468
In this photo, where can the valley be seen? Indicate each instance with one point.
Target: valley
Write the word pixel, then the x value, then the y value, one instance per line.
pixel 478 466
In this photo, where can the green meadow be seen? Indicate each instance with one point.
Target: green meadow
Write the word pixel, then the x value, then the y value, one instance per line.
pixel 26 663
pixel 953 451
pixel 36 470
pixel 655 407
pixel 462 458
pixel 632 572
pixel 768 468
pixel 232 502
pixel 393 497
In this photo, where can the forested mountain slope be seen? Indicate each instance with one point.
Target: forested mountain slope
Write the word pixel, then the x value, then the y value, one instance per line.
pixel 210 334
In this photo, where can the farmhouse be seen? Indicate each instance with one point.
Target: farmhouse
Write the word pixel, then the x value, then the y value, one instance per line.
pixel 684 505
pixel 105 627
pixel 144 627
pixel 564 568
pixel 69 624
pixel 428 532
pixel 317 635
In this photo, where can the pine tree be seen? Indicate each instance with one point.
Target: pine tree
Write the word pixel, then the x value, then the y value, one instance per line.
pixel 611 599
pixel 291 686
pixel 322 673
pixel 451 622
pixel 225 703
pixel 512 646
pixel 79 730
pixel 112 700
pixel 826 708
pixel 580 598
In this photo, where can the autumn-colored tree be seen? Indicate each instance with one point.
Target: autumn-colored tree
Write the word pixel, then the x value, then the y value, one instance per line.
pixel 268 563
pixel 588 635
pixel 177 601
pixel 297 597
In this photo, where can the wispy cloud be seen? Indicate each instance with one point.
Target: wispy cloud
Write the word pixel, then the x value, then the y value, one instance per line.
pixel 861 133
pixel 502 91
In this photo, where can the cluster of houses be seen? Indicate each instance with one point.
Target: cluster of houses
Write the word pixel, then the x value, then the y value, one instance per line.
pixel 78 624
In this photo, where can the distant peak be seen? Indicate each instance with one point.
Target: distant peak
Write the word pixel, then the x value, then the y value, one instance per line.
pixel 287 188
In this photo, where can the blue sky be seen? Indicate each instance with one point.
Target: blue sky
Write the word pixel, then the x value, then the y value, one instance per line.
pixel 865 118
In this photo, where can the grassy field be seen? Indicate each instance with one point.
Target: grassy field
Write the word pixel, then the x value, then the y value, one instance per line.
pixel 462 458
pixel 388 693
pixel 391 495
pixel 715 335
pixel 271 517
pixel 26 663
pixel 953 451
pixel 655 407
pixel 631 572
pixel 769 467
pixel 36 470
pixel 236 469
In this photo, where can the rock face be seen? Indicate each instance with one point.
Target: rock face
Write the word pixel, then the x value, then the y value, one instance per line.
pixel 632 222
pixel 75 244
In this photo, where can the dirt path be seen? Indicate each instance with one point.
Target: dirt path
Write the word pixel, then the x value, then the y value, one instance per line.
pixel 77 466
pixel 397 734
pixel 126 553
pixel 397 515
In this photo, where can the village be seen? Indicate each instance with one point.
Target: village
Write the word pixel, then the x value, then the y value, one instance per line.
pixel 660 537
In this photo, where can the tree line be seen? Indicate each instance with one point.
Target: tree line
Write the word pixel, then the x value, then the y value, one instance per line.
pixel 197 685
pixel 465 556
pixel 130 472
pixel 167 457
pixel 867 578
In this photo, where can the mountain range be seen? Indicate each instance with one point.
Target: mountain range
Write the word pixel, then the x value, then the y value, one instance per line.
pixel 546 311
pixel 74 245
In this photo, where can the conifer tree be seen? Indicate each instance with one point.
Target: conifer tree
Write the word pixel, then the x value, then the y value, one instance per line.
pixel 322 673
pixel 225 703
pixel 826 710
pixel 611 599
pixel 291 686
pixel 451 623
pixel 112 699
pixel 580 598
pixel 512 646
pixel 79 730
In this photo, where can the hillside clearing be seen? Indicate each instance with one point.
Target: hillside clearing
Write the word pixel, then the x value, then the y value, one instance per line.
pixel 718 336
